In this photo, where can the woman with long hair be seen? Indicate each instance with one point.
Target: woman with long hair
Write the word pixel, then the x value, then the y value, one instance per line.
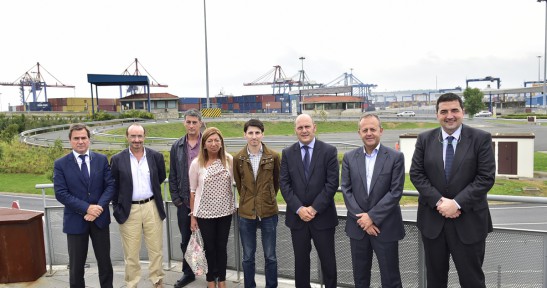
pixel 212 202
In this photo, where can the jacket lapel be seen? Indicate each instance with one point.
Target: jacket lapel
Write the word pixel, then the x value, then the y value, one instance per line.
pixel 360 162
pixel 74 163
pixel 435 145
pixel 127 162
pixel 299 162
pixel 151 167
pixel 461 150
pixel 378 166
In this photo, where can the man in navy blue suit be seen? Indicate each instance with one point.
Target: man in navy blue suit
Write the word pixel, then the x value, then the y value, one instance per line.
pixel 309 178
pixel 373 177
pixel 83 184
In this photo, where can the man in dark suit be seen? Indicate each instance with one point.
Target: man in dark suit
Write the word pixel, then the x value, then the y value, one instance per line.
pixel 138 205
pixel 308 181
pixel 373 178
pixel 83 184
pixel 453 168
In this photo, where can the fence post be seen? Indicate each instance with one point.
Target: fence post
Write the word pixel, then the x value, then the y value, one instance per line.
pixel 422 280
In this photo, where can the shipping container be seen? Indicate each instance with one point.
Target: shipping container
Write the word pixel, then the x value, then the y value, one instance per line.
pixel 39 106
pixel 189 100
pixel 77 101
pixel 107 101
pixel 268 98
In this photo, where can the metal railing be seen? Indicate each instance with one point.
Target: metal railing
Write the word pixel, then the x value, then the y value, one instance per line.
pixel 514 258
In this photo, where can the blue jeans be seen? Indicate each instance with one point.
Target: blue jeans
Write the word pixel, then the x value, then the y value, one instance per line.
pixel 247 232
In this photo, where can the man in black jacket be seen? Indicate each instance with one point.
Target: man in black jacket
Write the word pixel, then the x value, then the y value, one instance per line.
pixel 182 153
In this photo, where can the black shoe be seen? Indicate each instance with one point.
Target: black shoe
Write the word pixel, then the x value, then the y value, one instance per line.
pixel 185 280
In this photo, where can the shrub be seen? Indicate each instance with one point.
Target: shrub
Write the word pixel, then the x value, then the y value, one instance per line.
pixel 137 114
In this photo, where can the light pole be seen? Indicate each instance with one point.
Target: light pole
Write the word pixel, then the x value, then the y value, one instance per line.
pixel 302 79
pixel 545 60
pixel 206 55
pixel 539 68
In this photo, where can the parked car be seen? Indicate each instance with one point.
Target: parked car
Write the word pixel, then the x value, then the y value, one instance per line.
pixel 484 114
pixel 406 114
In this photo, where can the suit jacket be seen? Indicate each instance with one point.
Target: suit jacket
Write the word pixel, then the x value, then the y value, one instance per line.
pixel 71 191
pixel 381 202
pixel 121 171
pixel 318 191
pixel 472 176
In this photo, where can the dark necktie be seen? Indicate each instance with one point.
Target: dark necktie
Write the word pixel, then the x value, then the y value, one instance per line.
pixel 449 157
pixel 306 161
pixel 84 170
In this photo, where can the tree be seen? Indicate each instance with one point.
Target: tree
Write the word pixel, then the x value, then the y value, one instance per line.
pixel 473 101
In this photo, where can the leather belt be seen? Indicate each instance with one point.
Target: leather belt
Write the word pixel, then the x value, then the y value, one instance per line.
pixel 143 201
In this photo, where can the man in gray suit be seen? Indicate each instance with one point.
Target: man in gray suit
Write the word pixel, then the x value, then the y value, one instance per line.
pixel 373 177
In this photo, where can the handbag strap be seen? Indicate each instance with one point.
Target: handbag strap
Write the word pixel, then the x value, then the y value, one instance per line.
pixel 198 237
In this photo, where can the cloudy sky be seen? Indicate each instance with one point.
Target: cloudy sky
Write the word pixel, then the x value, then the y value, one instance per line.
pixel 395 44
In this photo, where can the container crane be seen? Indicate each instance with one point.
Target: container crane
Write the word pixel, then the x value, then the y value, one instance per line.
pixel 134 89
pixel 276 78
pixel 35 80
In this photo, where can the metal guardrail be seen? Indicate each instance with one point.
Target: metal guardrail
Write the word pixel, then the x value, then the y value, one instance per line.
pixel 514 257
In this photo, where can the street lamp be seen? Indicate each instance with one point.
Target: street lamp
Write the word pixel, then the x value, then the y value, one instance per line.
pixel 302 79
pixel 206 55
pixel 545 59
pixel 539 68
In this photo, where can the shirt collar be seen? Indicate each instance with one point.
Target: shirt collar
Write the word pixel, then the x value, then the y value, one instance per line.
pixel 456 133
pixel 260 151
pixel 311 145
pixel 374 151
pixel 76 155
pixel 131 153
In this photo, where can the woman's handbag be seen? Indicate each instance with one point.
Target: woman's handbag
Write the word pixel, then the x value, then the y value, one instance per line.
pixel 195 254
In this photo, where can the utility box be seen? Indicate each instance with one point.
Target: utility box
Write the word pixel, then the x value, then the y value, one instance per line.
pixel 22 257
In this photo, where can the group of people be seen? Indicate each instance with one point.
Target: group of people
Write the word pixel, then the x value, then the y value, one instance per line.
pixel 453 214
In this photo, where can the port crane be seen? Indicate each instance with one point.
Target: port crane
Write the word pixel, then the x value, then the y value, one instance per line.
pixel 134 89
pixel 34 79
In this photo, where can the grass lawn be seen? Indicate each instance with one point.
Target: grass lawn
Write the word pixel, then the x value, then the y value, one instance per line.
pixel 235 128
pixel 23 183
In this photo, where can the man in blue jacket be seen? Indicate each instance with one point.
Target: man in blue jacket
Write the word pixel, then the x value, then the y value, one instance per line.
pixel 83 184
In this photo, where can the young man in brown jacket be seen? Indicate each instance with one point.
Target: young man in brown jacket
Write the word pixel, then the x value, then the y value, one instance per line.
pixel 256 172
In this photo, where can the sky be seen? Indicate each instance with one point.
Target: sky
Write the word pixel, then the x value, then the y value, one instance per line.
pixel 395 44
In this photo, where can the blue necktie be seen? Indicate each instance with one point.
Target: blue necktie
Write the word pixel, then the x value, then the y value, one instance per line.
pixel 84 170
pixel 449 157
pixel 306 161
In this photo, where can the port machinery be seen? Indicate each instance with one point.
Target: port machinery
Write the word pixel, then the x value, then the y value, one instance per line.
pixel 345 84
pixel 34 78
pixel 133 89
